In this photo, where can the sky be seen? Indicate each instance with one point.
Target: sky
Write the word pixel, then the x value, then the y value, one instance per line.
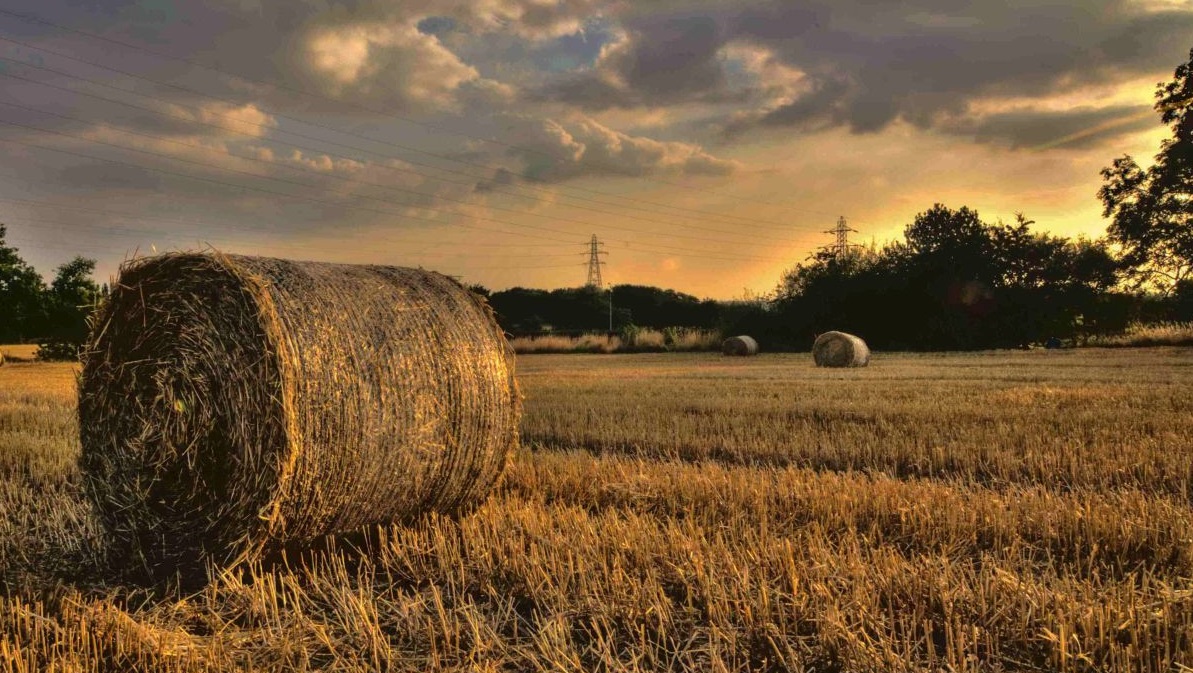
pixel 708 145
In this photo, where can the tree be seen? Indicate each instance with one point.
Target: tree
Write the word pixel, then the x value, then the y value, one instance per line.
pixel 21 296
pixel 1151 210
pixel 70 300
pixel 958 235
pixel 955 282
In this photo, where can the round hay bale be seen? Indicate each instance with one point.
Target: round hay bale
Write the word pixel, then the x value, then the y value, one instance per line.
pixel 838 349
pixel 232 405
pixel 739 345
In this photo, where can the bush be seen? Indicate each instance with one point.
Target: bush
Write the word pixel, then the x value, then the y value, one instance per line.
pixel 57 350
pixel 671 337
pixel 630 333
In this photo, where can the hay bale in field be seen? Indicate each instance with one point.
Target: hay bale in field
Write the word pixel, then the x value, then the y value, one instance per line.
pixel 739 345
pixel 232 405
pixel 838 349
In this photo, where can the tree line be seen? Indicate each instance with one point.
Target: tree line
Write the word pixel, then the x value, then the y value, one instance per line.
pixel 53 315
pixel 952 282
pixel 957 282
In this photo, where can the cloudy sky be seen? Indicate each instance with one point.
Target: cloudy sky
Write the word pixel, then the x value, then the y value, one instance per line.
pixel 708 144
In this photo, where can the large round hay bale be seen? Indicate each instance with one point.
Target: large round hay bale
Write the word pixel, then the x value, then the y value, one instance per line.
pixel 838 349
pixel 232 405
pixel 739 345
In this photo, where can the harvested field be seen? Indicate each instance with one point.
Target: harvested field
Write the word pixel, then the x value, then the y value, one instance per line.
pixel 984 511
pixel 18 352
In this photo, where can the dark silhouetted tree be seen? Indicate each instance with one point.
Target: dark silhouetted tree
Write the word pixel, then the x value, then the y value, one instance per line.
pixel 22 312
pixel 955 282
pixel 72 297
pixel 1151 210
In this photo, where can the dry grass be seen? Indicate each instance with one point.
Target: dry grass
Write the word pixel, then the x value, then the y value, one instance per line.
pixel 646 340
pixel 18 352
pixel 1151 334
pixel 992 511
pixel 587 343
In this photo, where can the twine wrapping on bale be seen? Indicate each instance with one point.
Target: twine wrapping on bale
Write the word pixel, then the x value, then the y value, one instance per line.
pixel 739 345
pixel 231 405
pixel 838 349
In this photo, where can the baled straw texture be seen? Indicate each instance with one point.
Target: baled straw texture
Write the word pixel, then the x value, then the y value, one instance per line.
pixel 838 349
pixel 231 405
pixel 739 345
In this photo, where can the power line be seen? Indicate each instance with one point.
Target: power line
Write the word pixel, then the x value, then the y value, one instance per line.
pixel 470 184
pixel 32 18
pixel 754 221
pixel 59 225
pixel 692 252
pixel 219 182
pixel 322 174
pixel 29 244
pixel 307 185
pixel 229 225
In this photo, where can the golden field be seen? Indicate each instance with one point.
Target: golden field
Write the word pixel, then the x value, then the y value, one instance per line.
pixel 19 351
pixel 642 340
pixel 967 512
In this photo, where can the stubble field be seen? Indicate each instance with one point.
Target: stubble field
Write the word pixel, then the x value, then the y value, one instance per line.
pixel 989 511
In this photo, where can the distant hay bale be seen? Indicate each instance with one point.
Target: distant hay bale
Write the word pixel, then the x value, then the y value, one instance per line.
pixel 739 345
pixel 233 405
pixel 838 349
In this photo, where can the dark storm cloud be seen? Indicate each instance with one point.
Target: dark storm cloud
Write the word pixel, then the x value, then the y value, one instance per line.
pixel 664 60
pixel 746 65
pixel 869 64
pixel 502 177
pixel 678 60
pixel 820 104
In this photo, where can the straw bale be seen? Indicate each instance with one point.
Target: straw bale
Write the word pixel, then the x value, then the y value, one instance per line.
pixel 739 345
pixel 838 349
pixel 233 405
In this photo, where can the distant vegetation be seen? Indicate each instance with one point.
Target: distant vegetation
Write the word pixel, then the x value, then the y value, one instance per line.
pixel 631 339
pixel 954 282
pixel 54 315
pixel 1152 334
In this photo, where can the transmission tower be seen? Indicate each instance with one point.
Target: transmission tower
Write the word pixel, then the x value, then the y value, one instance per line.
pixel 841 246
pixel 595 262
